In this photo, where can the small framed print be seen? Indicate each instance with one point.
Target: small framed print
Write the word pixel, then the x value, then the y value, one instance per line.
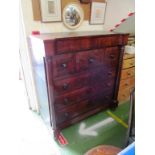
pixel 98 10
pixel 85 1
pixel 50 10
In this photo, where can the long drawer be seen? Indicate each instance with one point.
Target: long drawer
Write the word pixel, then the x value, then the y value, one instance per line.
pixel 85 79
pixel 78 44
pixel 100 89
pixel 75 110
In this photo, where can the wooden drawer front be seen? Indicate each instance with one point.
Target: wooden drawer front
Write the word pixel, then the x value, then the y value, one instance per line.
pixel 69 84
pixel 72 111
pixel 111 57
pixel 77 44
pixel 128 63
pixel 128 56
pixel 64 101
pixel 124 94
pixel 72 45
pixel 75 110
pixel 127 83
pixel 89 59
pixel 100 42
pixel 127 73
pixel 101 75
pixel 102 98
pixel 102 88
pixel 63 65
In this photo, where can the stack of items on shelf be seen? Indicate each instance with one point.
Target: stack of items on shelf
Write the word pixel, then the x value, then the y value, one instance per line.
pixel 128 71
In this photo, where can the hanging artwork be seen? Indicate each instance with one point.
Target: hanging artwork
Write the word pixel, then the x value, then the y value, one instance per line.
pixel 98 10
pixel 50 10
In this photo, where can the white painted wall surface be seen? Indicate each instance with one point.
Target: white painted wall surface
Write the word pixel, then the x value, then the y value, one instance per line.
pixel 115 11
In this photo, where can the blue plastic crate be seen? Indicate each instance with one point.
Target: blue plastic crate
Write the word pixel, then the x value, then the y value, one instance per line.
pixel 130 150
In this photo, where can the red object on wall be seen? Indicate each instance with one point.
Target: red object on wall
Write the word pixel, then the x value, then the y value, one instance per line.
pixel 35 32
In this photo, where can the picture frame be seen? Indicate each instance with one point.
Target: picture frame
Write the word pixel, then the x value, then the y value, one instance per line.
pixel 85 1
pixel 73 15
pixel 98 10
pixel 50 10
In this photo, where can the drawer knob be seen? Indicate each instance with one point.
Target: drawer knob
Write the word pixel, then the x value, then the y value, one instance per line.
pixel 91 60
pixel 129 73
pixel 66 114
pixel 106 97
pixel 66 101
pixel 64 65
pixel 112 56
pixel 108 84
pixel 109 73
pixel 126 84
pixel 65 86
pixel 131 63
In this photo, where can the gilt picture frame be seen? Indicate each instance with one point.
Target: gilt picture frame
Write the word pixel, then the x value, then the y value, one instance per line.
pixel 98 11
pixel 50 10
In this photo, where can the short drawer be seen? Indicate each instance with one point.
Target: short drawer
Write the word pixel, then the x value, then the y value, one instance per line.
pixel 103 87
pixel 127 73
pixel 128 56
pixel 72 83
pixel 72 45
pixel 102 98
pixel 111 57
pixel 124 94
pixel 128 63
pixel 99 76
pixel 63 101
pixel 87 60
pixel 99 42
pixel 127 83
pixel 63 65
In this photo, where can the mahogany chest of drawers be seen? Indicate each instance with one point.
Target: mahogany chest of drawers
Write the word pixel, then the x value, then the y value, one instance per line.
pixel 82 72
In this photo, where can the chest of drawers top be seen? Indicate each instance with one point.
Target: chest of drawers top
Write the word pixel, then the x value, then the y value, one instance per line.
pixel 61 43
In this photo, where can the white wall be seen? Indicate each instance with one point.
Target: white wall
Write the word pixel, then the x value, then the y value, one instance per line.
pixel 116 10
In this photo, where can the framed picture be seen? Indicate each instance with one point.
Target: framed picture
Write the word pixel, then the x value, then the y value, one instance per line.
pixel 85 1
pixel 98 10
pixel 50 10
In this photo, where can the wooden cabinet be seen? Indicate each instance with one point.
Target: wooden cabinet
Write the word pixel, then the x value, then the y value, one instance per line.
pixel 127 77
pixel 82 73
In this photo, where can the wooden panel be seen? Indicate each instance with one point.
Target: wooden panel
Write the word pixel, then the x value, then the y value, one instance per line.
pixel 127 83
pixel 37 10
pixel 128 56
pixel 127 73
pixel 124 94
pixel 77 44
pixel 128 63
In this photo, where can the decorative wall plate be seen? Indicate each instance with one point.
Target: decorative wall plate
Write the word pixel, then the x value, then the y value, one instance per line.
pixel 73 15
